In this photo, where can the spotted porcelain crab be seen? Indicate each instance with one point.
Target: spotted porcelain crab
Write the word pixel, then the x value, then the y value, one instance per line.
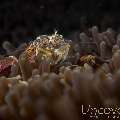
pixel 52 48
pixel 92 60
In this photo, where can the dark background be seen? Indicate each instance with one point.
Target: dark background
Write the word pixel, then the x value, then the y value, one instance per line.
pixel 22 20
